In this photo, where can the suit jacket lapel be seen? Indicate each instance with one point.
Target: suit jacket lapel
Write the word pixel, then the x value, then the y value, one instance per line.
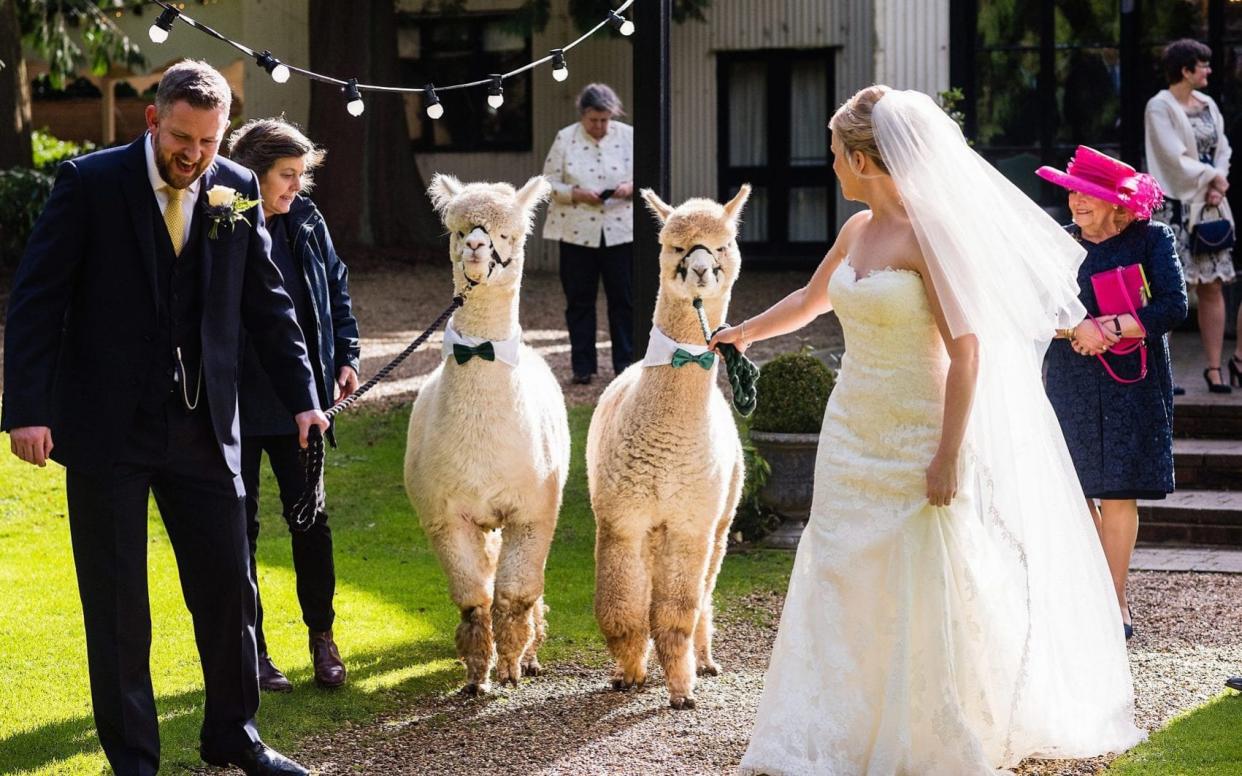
pixel 206 244
pixel 139 197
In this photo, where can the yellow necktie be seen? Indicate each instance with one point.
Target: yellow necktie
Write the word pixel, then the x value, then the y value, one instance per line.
pixel 174 218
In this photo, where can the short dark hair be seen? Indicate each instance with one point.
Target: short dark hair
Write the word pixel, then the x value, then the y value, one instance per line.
pixel 260 143
pixel 599 97
pixel 195 82
pixel 1182 54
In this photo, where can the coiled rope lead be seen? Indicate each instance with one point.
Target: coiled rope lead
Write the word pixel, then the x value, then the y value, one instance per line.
pixel 743 373
pixel 301 515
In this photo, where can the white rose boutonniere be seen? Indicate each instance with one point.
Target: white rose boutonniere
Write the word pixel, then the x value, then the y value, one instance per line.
pixel 225 206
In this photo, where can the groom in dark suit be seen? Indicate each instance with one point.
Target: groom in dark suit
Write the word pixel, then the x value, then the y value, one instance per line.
pixel 121 360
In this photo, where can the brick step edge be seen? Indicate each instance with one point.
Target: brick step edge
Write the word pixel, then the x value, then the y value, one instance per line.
pixel 1153 532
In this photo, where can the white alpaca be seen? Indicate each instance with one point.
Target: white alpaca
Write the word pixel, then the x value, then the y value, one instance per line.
pixel 664 463
pixel 487 453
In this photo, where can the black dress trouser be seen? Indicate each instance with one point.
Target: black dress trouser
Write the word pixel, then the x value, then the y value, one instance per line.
pixel 172 453
pixel 581 270
pixel 312 548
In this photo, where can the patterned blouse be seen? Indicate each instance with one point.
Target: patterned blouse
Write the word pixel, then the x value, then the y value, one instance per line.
pixel 577 159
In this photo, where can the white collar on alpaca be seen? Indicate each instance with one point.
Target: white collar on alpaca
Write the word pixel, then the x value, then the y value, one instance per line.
pixel 660 348
pixel 506 350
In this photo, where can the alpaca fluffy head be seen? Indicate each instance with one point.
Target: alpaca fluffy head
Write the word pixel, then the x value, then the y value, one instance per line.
pixel 699 257
pixel 488 224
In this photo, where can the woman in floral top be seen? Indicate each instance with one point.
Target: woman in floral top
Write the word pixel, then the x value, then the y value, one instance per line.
pixel 1188 154
pixel 591 168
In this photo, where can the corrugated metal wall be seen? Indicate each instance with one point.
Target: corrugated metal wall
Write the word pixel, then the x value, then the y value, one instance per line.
pixel 912 44
pixel 732 25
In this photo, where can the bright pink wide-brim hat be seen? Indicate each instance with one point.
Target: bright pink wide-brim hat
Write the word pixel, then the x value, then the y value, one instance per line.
pixel 1112 180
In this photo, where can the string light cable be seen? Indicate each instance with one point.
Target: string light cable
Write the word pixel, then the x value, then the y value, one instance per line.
pixel 280 72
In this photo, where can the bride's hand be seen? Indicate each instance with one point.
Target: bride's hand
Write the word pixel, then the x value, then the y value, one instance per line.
pixel 732 336
pixel 941 480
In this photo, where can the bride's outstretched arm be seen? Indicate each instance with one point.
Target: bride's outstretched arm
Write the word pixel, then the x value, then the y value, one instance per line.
pixel 959 395
pixel 802 306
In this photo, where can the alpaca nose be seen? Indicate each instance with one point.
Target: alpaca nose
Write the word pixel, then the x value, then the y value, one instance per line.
pixel 475 243
pixel 701 272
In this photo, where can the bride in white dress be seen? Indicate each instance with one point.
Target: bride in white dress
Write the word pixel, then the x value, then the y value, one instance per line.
pixel 950 610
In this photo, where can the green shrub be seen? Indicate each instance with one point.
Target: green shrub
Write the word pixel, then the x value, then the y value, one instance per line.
pixel 792 391
pixel 753 520
pixel 50 151
pixel 22 194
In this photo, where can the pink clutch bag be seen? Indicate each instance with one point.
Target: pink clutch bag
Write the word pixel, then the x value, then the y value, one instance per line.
pixel 1119 291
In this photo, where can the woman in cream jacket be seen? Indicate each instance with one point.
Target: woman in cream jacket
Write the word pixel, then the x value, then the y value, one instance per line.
pixel 1188 154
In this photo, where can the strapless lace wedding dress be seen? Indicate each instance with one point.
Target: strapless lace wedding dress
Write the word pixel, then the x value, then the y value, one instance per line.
pixel 895 655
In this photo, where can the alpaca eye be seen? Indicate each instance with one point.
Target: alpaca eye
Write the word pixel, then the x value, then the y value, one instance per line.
pixel 722 249
pixel 680 250
pixel 504 237
pixel 461 235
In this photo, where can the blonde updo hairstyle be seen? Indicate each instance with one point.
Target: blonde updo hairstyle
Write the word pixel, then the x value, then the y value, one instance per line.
pixel 852 124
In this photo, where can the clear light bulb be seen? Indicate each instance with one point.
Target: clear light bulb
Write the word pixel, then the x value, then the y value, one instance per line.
pixel 157 33
pixel 561 73
pixel 356 107
pixel 495 100
pixel 435 110
pixel 280 74
pixel 627 28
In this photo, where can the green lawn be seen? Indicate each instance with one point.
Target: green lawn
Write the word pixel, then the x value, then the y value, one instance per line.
pixel 1204 742
pixel 395 621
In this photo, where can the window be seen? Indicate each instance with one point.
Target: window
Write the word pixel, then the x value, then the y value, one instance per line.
pixel 458 50
pixel 773 132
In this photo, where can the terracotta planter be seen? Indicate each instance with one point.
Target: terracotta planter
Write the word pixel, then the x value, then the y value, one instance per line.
pixel 791 485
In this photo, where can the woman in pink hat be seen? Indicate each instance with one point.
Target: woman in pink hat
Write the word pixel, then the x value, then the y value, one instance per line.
pixel 1120 434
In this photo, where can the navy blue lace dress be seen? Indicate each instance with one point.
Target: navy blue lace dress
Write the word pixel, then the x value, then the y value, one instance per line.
pixel 1121 436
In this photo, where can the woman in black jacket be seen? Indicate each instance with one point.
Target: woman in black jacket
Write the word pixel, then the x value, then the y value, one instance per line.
pixel 317 281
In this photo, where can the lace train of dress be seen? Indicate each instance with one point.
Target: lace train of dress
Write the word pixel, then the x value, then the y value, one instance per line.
pixel 898 651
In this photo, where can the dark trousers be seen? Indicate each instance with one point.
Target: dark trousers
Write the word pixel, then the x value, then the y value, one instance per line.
pixel 312 548
pixel 581 270
pixel 173 454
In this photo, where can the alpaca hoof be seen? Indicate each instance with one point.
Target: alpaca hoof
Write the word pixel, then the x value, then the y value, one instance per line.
pixel 682 703
pixel 510 681
pixel 623 685
pixel 532 668
pixel 710 668
pixel 474 690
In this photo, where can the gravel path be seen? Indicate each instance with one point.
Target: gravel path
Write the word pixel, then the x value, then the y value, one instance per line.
pixel 394 303
pixel 568 723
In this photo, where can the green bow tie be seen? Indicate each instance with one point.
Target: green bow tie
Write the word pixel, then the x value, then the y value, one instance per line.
pixel 681 358
pixel 464 353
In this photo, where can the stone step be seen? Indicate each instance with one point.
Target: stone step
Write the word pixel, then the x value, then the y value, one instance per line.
pixel 1207 416
pixel 1208 464
pixel 1193 517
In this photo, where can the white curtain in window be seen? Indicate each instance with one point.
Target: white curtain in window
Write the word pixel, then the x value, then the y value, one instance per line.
pixel 747 112
pixel 755 216
pixel 808 214
pixel 808 113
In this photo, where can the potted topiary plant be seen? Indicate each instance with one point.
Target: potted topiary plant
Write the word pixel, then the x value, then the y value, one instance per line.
pixel 792 393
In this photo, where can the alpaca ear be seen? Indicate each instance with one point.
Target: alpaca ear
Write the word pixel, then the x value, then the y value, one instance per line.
pixel 533 192
pixel 733 208
pixel 661 209
pixel 442 190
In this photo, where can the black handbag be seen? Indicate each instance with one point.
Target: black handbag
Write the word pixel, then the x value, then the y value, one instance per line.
pixel 1212 236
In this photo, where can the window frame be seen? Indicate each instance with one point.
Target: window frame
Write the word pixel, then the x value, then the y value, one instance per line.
pixel 476 23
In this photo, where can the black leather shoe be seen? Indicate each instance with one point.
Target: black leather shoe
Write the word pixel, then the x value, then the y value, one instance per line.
pixel 582 379
pixel 270 677
pixel 329 669
pixel 256 760
pixel 1234 683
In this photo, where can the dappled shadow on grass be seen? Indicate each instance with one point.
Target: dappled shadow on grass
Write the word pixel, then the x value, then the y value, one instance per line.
pixel 282 719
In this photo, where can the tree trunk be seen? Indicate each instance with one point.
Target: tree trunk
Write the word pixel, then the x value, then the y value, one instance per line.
pixel 15 126
pixel 369 188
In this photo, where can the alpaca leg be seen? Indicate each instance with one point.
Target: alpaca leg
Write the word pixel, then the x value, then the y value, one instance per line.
pixel 676 596
pixel 530 659
pixel 519 586
pixel 468 556
pixel 622 596
pixel 704 630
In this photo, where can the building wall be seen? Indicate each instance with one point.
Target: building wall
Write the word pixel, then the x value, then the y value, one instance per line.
pixel 277 25
pixel 912 44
